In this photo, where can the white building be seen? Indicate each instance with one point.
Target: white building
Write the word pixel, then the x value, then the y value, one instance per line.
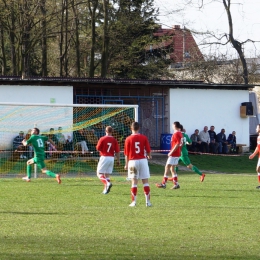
pixel 194 104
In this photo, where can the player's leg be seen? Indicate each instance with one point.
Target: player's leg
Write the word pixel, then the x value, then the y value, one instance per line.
pixel 43 168
pixel 146 188
pixel 29 170
pixel 105 179
pixel 196 170
pixel 104 169
pixel 101 169
pixel 165 175
pixel 144 174
pixel 174 178
pixel 258 172
pixel 186 161
pixel 133 174
pixel 174 161
pixel 109 183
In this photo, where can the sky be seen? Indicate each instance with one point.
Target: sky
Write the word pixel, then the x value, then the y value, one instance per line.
pixel 212 17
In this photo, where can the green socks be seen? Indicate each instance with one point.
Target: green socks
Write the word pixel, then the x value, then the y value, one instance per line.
pixel 195 169
pixel 29 171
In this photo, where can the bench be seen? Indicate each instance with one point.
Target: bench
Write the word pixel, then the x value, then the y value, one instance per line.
pixel 239 148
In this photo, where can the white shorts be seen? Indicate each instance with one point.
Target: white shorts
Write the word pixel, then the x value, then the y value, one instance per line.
pixel 105 164
pixel 172 160
pixel 138 169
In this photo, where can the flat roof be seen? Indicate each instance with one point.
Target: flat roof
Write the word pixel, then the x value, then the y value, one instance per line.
pixel 58 81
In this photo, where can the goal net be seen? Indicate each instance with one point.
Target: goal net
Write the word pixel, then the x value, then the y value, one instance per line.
pixel 75 130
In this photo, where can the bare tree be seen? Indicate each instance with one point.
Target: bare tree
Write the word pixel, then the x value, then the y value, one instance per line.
pixel 77 42
pixel 235 43
pixel 226 38
pixel 3 58
pixel 93 10
pixel 44 39
pixel 105 40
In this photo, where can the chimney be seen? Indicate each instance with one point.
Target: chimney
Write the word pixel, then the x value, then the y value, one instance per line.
pixel 176 27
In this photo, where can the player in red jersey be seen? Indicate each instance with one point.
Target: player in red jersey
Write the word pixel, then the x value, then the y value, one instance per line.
pixel 108 147
pixel 257 151
pixel 137 150
pixel 173 157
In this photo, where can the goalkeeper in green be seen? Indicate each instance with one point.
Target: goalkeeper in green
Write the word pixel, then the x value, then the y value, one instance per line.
pixel 185 156
pixel 38 143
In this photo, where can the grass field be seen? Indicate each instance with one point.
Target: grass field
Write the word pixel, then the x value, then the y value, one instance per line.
pixel 216 219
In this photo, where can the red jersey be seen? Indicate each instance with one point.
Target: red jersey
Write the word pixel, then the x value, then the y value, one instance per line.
pixel 258 145
pixel 107 146
pixel 136 147
pixel 177 138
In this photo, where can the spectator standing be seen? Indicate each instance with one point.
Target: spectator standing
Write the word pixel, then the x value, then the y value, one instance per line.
pixel 173 157
pixel 205 139
pixel 18 145
pixel 108 148
pixel 196 141
pixel 68 147
pixel 61 140
pixel 232 140
pixel 50 146
pixel 80 139
pixel 137 150
pixel 222 142
pixel 213 145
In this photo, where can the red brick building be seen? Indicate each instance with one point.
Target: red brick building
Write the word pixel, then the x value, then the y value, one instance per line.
pixel 179 43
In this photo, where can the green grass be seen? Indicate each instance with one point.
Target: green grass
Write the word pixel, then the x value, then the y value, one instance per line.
pixel 216 219
pixel 224 164
pixel 216 163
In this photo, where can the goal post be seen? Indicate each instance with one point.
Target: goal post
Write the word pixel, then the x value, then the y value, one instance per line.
pixel 75 130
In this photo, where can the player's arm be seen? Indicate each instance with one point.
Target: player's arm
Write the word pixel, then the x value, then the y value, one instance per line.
pixel 126 162
pixel 118 157
pixel 24 142
pixel 254 153
pixel 148 150
pixel 126 153
pixel 98 146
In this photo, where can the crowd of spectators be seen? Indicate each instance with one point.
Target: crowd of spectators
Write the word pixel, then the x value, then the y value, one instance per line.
pixel 207 141
pixel 80 142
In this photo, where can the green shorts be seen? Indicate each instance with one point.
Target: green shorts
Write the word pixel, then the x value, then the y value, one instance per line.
pixel 40 162
pixel 185 159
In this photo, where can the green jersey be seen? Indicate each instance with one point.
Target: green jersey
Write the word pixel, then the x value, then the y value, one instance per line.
pixel 186 139
pixel 38 143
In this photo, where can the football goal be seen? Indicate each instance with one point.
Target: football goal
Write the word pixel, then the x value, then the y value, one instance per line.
pixel 75 130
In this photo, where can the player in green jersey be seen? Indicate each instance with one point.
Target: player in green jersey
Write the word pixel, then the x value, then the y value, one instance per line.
pixel 185 156
pixel 38 141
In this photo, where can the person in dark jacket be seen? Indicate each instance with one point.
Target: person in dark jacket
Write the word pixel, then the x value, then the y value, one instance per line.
pixel 18 145
pixel 222 142
pixel 232 140
pixel 213 145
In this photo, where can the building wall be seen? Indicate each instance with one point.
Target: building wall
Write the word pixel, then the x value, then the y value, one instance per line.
pixel 36 94
pixel 196 108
